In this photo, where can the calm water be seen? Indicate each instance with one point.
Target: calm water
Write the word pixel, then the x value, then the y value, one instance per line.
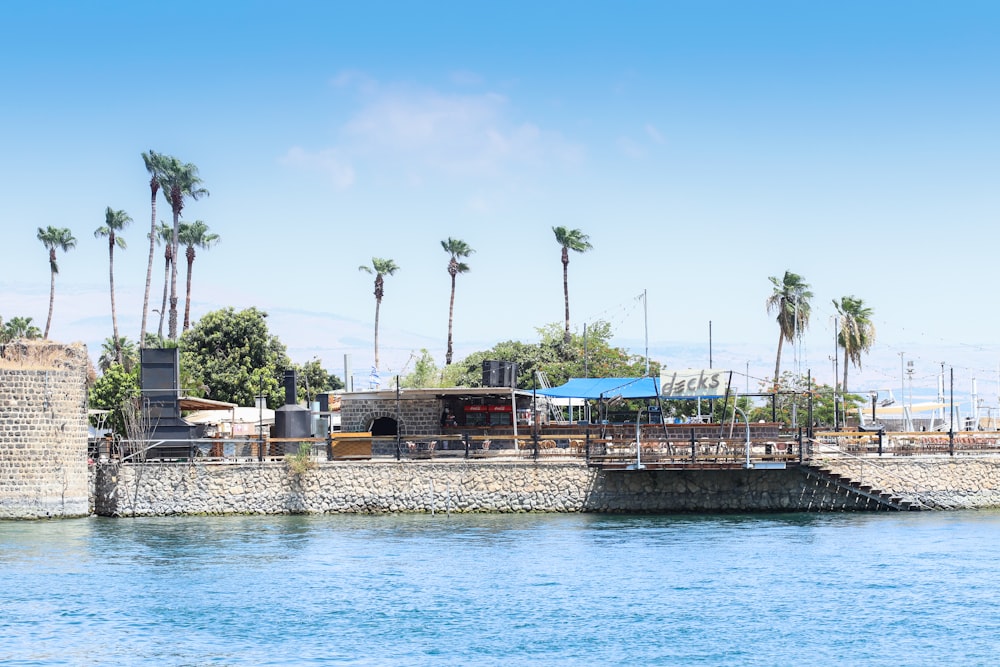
pixel 913 589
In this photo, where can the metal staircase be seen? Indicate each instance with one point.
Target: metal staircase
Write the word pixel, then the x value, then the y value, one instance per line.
pixel 855 489
pixel 555 414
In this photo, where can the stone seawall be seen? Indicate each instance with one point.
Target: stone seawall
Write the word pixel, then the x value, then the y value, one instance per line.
pixel 376 487
pixel 943 482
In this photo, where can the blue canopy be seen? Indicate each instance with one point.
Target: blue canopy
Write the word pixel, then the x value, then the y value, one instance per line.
pixel 606 388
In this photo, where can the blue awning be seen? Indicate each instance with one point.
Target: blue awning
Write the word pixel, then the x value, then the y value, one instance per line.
pixel 606 388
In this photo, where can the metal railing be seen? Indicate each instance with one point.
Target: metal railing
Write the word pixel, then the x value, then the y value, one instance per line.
pixel 597 446
pixel 913 443
pixel 206 450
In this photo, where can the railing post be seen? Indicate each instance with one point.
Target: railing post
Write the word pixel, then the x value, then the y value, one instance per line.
pixel 586 445
pixel 951 442
pixel 465 438
pixel 693 456
pixel 880 442
pixel 801 457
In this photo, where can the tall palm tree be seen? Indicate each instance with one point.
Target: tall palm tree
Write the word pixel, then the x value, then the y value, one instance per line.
pixel 857 332
pixel 54 238
pixel 156 166
pixel 380 267
pixel 790 299
pixel 114 222
pixel 180 181
pixel 457 249
pixel 577 241
pixel 19 327
pixel 194 235
pixel 165 234
pixel 121 351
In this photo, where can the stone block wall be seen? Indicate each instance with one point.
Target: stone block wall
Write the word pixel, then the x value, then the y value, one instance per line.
pixel 416 416
pixel 942 482
pixel 154 489
pixel 43 431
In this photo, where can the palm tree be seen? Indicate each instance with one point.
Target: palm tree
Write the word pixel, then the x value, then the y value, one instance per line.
pixel 194 235
pixel 54 238
pixel 155 165
pixel 19 327
pixel 577 241
pixel 457 249
pixel 790 299
pixel 380 267
pixel 164 234
pixel 114 222
pixel 118 351
pixel 180 181
pixel 857 333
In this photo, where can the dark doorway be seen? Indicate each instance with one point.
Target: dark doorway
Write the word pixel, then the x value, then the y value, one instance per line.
pixel 383 426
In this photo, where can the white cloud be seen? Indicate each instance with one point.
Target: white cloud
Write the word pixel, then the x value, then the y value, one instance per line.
pixel 653 133
pixel 327 161
pixel 418 130
pixel 456 132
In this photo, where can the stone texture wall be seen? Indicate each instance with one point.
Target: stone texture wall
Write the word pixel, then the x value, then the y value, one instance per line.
pixel 416 416
pixel 43 431
pixel 469 486
pixel 943 482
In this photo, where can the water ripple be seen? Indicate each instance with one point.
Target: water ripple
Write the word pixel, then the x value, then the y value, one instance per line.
pixel 502 589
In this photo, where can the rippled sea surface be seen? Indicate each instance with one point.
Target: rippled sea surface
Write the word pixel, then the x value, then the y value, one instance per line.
pixel 886 589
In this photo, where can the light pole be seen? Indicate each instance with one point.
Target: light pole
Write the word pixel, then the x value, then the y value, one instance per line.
pixel 909 374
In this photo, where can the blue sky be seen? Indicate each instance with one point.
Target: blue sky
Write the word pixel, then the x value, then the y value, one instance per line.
pixel 703 146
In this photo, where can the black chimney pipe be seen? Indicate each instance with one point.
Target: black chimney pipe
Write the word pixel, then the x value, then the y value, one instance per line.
pixel 290 382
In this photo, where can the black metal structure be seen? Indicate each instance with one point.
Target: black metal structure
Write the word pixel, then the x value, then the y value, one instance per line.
pixel 159 379
pixel 292 420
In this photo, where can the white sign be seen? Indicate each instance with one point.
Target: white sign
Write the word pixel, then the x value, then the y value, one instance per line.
pixel 694 383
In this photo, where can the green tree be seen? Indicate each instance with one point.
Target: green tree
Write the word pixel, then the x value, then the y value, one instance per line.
pixel 424 372
pixel 179 181
pixel 231 356
pixel 194 235
pixel 54 238
pixel 556 359
pixel 790 299
pixel 468 372
pixel 156 166
pixel 577 241
pixel 111 391
pixel 380 267
pixel 114 222
pixel 314 379
pixel 797 390
pixel 857 332
pixel 593 357
pixel 19 327
pixel 458 249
